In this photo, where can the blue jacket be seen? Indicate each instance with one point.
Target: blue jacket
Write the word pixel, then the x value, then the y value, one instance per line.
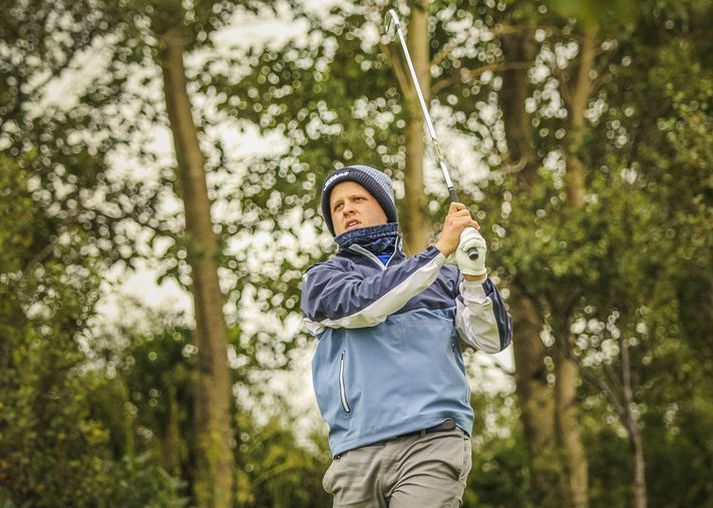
pixel 388 361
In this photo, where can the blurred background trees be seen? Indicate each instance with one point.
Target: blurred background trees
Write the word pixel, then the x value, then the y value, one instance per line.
pixel 580 132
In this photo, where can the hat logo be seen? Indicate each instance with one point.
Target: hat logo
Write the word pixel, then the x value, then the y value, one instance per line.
pixel 335 177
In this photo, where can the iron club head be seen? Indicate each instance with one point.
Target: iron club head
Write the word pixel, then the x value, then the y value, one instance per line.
pixel 391 18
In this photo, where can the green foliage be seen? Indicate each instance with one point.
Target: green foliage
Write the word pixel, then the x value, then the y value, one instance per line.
pixel 593 11
pixel 64 146
pixel 138 481
pixel 632 264
pixel 52 451
pixel 498 477
pixel 45 432
pixel 147 401
pixel 276 471
pixel 610 462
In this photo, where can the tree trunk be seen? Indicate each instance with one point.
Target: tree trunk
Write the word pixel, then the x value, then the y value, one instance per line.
pixel 640 496
pixel 579 96
pixel 214 469
pixel 416 223
pixel 640 500
pixel 170 442
pixel 570 439
pixel 566 370
pixel 536 402
pixel 514 93
pixel 534 393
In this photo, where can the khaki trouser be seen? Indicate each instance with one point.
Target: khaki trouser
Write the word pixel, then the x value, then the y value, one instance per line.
pixel 418 471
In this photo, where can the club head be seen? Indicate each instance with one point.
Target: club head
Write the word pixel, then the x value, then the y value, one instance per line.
pixel 391 18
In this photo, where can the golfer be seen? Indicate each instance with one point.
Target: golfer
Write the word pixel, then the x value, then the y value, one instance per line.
pixel 388 372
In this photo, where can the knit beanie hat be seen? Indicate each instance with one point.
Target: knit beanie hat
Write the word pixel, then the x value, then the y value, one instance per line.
pixel 373 180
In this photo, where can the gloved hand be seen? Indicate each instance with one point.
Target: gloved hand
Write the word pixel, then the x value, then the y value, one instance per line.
pixel 471 238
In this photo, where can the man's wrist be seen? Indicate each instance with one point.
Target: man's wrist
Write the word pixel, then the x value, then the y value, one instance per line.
pixel 476 278
pixel 438 245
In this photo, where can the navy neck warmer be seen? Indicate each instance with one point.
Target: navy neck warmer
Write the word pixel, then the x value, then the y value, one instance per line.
pixel 380 239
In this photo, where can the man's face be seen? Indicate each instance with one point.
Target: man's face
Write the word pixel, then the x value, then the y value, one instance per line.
pixel 352 207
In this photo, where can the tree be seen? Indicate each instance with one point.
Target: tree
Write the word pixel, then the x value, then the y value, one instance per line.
pixel 214 470
pixel 637 322
pixel 416 220
pixel 611 145
pixel 54 451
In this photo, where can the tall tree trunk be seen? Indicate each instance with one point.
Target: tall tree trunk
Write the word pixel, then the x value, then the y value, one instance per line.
pixel 170 442
pixel 534 393
pixel 536 402
pixel 515 91
pixel 417 224
pixel 640 500
pixel 214 472
pixel 579 91
pixel 566 369
pixel 570 438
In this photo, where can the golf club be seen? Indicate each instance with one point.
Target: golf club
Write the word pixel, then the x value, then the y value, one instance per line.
pixel 393 18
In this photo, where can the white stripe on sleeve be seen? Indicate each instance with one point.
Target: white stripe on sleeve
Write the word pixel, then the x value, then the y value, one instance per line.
pixel 390 302
pixel 475 319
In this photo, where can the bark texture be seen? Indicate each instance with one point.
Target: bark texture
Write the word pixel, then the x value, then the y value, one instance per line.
pixel 577 89
pixel 568 431
pixel 534 392
pixel 214 472
pixel 632 427
pixel 517 47
pixel 536 403
pixel 416 223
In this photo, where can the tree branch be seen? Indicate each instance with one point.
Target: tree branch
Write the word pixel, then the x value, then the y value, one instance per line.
pixel 498 31
pixel 582 85
pixel 468 74
pixel 397 67
pixel 607 390
pixel 79 45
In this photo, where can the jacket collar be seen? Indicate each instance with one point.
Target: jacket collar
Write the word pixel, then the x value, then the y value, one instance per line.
pixel 380 239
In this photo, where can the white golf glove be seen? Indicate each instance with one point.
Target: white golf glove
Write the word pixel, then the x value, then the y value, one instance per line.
pixel 470 238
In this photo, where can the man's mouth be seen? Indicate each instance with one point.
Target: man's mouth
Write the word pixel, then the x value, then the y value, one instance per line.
pixel 350 224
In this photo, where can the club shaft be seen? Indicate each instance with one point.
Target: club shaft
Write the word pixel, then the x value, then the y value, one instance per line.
pixel 472 252
pixel 424 109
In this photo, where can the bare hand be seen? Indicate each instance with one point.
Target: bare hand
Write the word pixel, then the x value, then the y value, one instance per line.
pixel 456 221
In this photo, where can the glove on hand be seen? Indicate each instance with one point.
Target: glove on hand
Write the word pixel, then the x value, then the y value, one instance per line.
pixel 471 238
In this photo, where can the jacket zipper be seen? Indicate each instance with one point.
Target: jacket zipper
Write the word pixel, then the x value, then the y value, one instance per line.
pixel 373 257
pixel 342 387
pixel 396 249
pixel 467 384
pixel 367 253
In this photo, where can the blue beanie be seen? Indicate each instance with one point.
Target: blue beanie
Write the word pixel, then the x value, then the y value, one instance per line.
pixel 373 180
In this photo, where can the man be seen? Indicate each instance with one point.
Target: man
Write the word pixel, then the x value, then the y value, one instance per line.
pixel 388 372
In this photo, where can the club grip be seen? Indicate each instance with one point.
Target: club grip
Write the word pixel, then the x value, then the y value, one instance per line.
pixel 472 253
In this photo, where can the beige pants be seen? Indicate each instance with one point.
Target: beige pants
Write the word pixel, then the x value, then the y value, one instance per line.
pixel 421 471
